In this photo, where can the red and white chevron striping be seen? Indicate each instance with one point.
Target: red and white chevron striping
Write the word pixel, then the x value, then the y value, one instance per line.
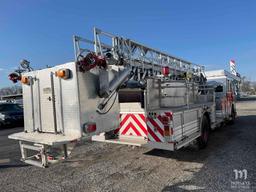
pixel 136 124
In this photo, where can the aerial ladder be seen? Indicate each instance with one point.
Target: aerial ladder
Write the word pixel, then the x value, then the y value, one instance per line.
pixel 170 105
pixel 142 60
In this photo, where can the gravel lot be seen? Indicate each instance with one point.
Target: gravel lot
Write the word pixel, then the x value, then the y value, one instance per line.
pixel 110 167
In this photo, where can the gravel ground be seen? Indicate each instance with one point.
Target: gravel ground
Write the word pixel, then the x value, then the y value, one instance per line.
pixel 110 167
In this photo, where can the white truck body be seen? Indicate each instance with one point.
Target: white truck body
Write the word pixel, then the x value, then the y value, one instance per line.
pixel 168 112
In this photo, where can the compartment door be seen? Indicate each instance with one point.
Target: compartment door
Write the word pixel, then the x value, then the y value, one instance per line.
pixel 47 101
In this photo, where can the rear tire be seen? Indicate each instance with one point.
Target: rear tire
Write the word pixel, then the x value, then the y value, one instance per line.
pixel 233 116
pixel 202 141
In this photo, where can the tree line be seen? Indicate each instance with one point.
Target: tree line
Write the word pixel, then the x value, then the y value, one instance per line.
pixel 247 86
pixel 13 90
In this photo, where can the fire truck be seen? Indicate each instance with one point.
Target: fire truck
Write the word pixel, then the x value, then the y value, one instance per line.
pixel 226 91
pixel 117 91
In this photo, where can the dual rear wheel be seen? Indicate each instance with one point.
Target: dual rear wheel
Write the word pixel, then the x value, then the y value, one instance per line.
pixel 202 141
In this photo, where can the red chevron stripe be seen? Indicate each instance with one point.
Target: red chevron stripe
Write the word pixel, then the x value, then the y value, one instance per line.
pixel 157 126
pixel 142 116
pixel 117 130
pixel 139 124
pixel 121 123
pixel 124 119
pixel 153 135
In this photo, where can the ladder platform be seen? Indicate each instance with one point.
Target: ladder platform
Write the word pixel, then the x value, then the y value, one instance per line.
pixel 43 138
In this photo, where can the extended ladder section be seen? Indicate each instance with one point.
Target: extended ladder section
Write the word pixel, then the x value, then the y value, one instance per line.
pixel 144 60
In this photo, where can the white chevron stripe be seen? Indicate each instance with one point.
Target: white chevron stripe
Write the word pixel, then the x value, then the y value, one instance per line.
pixel 150 126
pixel 150 137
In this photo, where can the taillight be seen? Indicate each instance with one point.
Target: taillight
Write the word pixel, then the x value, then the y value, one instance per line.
pixel 169 114
pixel 167 131
pixel 89 127
pixel 166 120
pixel 165 71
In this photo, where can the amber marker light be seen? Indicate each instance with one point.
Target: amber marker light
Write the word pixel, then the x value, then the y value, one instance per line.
pixel 24 80
pixel 63 73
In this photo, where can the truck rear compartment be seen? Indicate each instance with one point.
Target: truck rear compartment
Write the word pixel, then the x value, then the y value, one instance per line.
pixel 163 129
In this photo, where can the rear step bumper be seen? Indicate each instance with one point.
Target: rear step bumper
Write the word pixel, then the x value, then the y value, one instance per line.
pixel 34 146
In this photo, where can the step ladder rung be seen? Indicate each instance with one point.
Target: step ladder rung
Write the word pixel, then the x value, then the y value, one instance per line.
pixel 32 147
pixel 35 163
